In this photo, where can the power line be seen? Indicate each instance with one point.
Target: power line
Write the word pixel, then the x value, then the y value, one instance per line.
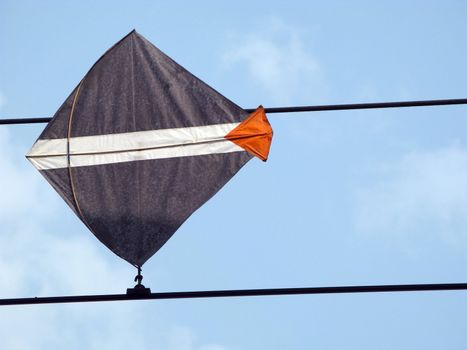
pixel 350 106
pixel 257 292
pixel 238 293
pixel 294 109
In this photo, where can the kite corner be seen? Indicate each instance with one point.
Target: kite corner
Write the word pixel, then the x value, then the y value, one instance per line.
pixel 254 134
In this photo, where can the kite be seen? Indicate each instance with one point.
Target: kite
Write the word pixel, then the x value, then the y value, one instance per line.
pixel 140 144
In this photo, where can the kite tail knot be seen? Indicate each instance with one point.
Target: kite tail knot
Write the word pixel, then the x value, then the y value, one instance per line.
pixel 139 278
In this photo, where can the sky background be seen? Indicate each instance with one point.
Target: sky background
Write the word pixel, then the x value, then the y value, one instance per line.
pixel 349 197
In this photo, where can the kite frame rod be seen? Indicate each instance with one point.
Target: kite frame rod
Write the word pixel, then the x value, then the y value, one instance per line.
pixel 239 293
pixel 293 109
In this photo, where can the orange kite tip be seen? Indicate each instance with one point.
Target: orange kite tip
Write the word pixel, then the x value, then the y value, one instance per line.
pixel 254 134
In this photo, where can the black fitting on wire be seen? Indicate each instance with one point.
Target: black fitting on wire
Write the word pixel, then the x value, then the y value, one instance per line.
pixel 138 290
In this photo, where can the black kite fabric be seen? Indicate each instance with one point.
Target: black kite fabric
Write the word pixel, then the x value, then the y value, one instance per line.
pixel 140 144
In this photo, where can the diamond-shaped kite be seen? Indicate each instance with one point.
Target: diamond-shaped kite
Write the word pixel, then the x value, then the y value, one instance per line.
pixel 140 144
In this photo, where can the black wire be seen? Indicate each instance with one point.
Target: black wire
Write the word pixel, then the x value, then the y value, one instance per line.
pixel 24 121
pixel 238 293
pixel 293 109
pixel 258 292
pixel 350 106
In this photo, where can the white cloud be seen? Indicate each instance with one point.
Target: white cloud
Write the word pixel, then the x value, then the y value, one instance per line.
pixel 278 61
pixel 23 196
pixel 38 256
pixel 182 338
pixel 421 197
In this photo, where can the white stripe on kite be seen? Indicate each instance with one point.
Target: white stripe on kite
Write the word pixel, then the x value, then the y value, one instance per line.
pixel 132 140
pixel 140 145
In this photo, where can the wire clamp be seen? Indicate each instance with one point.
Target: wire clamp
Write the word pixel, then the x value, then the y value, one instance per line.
pixel 138 290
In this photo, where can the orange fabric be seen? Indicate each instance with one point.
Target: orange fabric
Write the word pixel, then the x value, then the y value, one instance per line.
pixel 254 134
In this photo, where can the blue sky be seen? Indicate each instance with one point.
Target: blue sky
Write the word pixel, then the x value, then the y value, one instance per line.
pixel 355 197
